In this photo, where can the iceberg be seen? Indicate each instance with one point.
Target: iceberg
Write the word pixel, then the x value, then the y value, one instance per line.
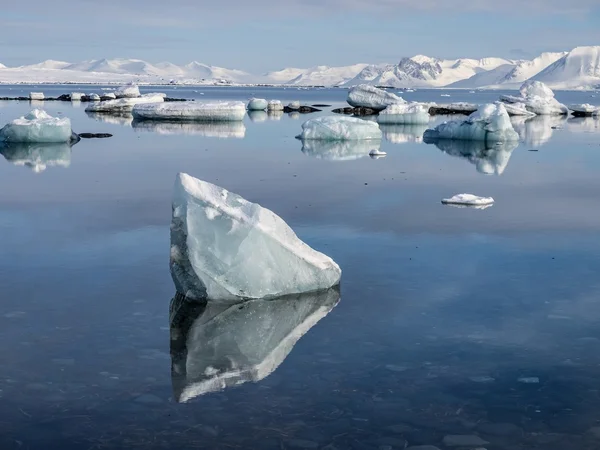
pixel 124 105
pixel 223 130
pixel 537 98
pixel 192 111
pixel 77 96
pixel 216 346
pixel 225 248
pixel 489 158
pixel 468 200
pixel 257 104
pixel 93 97
pixel 402 134
pixel 339 128
pixel 36 96
pixel 38 126
pixel 37 156
pixel 276 105
pixel 258 116
pixel 128 91
pixel 585 109
pixel 339 150
pixel 404 113
pixel 490 123
pixel 366 96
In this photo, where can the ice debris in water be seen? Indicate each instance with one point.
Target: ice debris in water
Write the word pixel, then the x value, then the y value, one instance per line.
pixel 124 105
pixel 368 96
pixel 38 126
pixel 37 156
pixel 110 95
pixel 257 104
pixel 221 345
pixel 76 96
pixel 94 97
pixel 585 109
pixel 339 128
pixel 226 248
pixel 537 98
pixel 36 96
pixel 128 91
pixel 193 111
pixel 338 150
pixel 275 105
pixel 467 199
pixel 404 113
pixel 490 123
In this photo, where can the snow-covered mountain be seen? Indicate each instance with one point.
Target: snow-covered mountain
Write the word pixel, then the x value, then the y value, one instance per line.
pixel 579 68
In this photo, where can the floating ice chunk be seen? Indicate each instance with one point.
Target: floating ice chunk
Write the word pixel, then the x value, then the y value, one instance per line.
pixel 38 126
pixel 339 128
pixel 408 113
pixel 295 105
pixel 37 156
pixel 377 152
pixel 490 123
pixel 36 96
pixel 276 105
pixel 368 96
pixel 518 109
pixel 585 109
pixel 537 98
pixel 468 200
pixel 128 91
pixel 76 96
pixel 94 97
pixel 109 95
pixel 257 104
pixel 258 116
pixel 192 111
pixel 338 150
pixel 124 105
pixel 246 252
pixel 222 346
pixel 207 129
pixel 401 134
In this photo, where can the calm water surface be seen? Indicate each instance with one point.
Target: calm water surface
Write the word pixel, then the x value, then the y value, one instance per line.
pixel 449 321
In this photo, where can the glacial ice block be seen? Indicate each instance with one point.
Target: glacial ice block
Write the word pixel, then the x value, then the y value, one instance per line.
pixel 76 96
pixel 537 98
pixel 490 123
pixel 217 346
pixel 124 105
pixel 257 104
pixel 38 126
pixel 339 128
pixel 404 113
pixel 128 91
pixel 192 111
pixel 36 96
pixel 339 150
pixel 468 200
pixel 225 248
pixel 37 156
pixel 367 96
pixel 275 105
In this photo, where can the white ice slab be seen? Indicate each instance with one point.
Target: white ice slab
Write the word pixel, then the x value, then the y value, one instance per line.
pixel 76 96
pixel 339 128
pixel 537 98
pixel 368 96
pixel 192 111
pixel 468 199
pixel 275 105
pixel 36 96
pixel 124 105
pixel 404 113
pixel 128 91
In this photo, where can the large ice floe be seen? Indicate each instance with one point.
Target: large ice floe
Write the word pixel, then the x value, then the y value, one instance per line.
pixel 404 113
pixel 339 128
pixel 257 104
pixel 127 91
pixel 207 129
pixel 489 158
pixel 215 346
pixel 225 248
pixel 537 98
pixel 192 111
pixel 402 134
pixel 490 123
pixel 124 105
pixel 38 126
pixel 37 156
pixel 366 96
pixel 339 150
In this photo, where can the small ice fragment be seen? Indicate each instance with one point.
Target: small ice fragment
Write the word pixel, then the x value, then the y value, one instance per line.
pixel 128 91
pixel 376 152
pixel 275 105
pixel 36 96
pixel 295 105
pixel 257 104
pixel 468 199
pixel 482 379
pixel 529 380
pixel 94 97
pixel 76 96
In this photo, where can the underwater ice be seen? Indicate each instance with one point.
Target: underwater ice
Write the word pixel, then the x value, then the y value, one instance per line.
pixel 404 113
pixel 339 128
pixel 537 98
pixel 339 150
pixel 124 105
pixel 192 111
pixel 225 248
pixel 368 96
pixel 128 91
pixel 38 126
pixel 468 199
pixel 257 104
pixel 225 345
pixel 490 123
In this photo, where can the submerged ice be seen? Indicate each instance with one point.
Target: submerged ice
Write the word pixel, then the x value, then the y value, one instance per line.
pixel 367 96
pixel 193 111
pixel 224 247
pixel 339 128
pixel 38 126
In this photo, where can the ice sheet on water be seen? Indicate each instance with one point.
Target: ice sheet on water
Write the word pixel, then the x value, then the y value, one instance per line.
pixel 368 96
pixel 339 128
pixel 537 98
pixel 208 129
pixel 490 123
pixel 404 113
pixel 127 91
pixel 402 134
pixel 124 105
pixel 216 346
pixel 37 156
pixel 38 126
pixel 339 150
pixel 192 111
pixel 226 248
pixel 257 104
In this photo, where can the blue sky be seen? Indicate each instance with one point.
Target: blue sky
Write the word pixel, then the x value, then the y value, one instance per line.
pixel 264 35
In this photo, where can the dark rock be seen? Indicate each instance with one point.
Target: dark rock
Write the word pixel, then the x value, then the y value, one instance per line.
pixel 64 98
pixel 358 111
pixel 105 98
pixel 321 106
pixel 581 114
pixel 169 99
pixel 303 109
pixel 441 110
pixel 94 135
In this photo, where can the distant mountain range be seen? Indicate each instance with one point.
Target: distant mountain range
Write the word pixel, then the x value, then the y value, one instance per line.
pixel 577 69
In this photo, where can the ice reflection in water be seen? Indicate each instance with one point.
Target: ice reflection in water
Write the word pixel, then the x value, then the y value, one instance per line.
pixel 37 156
pixel 223 130
pixel 538 130
pixel 124 120
pixel 400 134
pixel 215 346
pixel 339 150
pixel 490 158
pixel 258 116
